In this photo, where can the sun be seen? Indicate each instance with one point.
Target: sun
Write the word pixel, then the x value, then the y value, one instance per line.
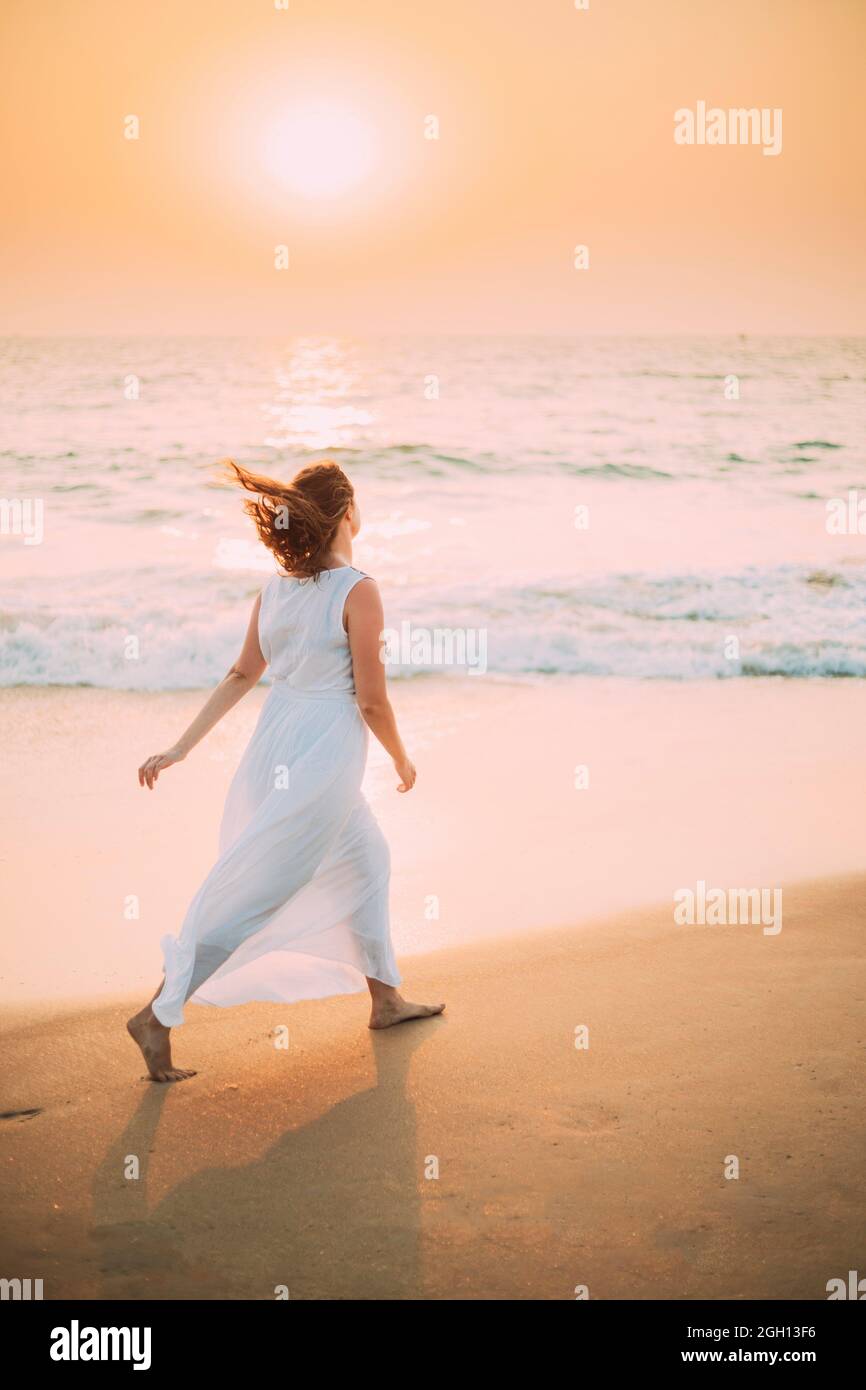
pixel 319 150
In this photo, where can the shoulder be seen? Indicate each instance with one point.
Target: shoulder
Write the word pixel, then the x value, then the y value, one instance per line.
pixel 360 584
pixel 363 599
pixel 351 581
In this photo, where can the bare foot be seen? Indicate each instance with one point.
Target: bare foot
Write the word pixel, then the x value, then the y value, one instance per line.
pixel 152 1037
pixel 386 1012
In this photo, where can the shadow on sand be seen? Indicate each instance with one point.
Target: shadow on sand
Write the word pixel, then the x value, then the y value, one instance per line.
pixel 331 1197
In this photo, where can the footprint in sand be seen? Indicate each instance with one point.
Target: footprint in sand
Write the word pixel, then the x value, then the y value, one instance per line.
pixel 586 1119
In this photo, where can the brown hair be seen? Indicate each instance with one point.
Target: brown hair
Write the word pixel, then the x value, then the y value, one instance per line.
pixel 297 521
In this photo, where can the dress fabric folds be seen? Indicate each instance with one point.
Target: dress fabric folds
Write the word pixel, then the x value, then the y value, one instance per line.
pixel 296 905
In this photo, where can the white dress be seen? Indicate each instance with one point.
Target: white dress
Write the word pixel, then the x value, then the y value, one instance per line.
pixel 296 906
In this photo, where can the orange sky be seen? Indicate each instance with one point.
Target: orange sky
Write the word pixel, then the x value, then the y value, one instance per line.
pixel 556 129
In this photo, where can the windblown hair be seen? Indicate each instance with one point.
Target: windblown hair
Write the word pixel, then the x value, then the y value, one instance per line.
pixel 297 521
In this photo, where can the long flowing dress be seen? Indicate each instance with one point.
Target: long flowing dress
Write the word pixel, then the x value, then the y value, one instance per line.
pixel 296 906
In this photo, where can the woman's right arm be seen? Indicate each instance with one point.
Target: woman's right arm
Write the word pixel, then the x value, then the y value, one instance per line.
pixel 365 622
pixel 246 673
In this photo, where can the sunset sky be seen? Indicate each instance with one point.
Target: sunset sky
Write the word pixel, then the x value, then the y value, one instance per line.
pixel 555 128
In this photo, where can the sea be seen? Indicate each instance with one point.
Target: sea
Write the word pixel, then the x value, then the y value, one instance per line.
pixel 641 508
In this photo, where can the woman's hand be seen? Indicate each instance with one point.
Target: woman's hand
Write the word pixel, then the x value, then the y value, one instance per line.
pixel 152 767
pixel 406 772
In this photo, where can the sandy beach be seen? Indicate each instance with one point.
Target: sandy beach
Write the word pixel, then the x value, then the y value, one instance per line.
pixel 308 1166
pixel 313 1166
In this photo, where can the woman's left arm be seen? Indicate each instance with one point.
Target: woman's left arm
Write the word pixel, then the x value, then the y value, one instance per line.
pixel 246 672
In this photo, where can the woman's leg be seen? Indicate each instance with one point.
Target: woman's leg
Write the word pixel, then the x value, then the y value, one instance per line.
pixel 389 1007
pixel 364 849
pixel 153 1039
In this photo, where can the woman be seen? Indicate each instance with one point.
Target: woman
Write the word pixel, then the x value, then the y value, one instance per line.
pixel 296 906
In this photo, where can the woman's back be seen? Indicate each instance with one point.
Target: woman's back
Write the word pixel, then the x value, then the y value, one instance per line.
pixel 301 630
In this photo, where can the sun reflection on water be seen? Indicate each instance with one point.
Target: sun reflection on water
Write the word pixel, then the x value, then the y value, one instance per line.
pixel 317 401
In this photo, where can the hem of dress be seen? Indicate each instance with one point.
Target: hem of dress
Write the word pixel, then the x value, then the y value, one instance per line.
pixel 166 1022
pixel 174 1017
pixel 304 999
pixel 178 962
pixel 179 965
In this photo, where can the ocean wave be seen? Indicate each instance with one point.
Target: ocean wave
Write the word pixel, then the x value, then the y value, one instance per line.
pixel 408 461
pixel 789 621
pixel 633 471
